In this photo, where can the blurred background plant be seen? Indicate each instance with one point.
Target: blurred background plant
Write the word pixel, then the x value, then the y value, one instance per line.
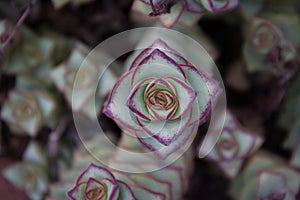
pixel 255 44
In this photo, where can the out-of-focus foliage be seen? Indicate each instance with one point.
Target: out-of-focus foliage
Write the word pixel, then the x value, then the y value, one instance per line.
pixel 266 177
pixel 27 111
pixel 267 50
pixel 31 174
pixel 85 72
pixel 234 146
pixel 289 118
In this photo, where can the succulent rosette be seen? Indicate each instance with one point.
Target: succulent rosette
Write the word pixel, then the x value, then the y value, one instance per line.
pixel 27 53
pixel 30 175
pixel 234 145
pixel 186 12
pixel 268 50
pixel 266 177
pixel 98 183
pixel 161 99
pixel 27 111
pixel 87 67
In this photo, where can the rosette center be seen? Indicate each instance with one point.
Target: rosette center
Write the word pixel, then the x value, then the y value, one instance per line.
pixel 95 190
pixel 160 99
pixel 24 110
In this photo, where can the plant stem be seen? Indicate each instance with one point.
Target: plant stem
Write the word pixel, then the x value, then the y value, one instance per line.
pixel 17 26
pixel 54 137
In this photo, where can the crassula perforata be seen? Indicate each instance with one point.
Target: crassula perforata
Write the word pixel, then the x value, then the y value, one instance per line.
pixel 161 99
pixel 235 144
pixel 268 50
pixel 170 182
pixel 66 73
pixel 266 176
pixel 98 183
pixel 27 111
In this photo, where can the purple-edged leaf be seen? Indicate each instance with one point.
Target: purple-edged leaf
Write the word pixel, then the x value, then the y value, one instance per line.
pixel 194 6
pixel 112 188
pixel 141 189
pixel 227 146
pixel 174 175
pixel 178 145
pixel 156 65
pixel 169 20
pixel 125 191
pixel 162 46
pixel 189 19
pixel 164 132
pixel 153 184
pixel 78 192
pixel 270 185
pixel 116 105
pixel 185 96
pixel 220 6
pixel 95 172
pixel 137 102
pixel 234 145
pixel 205 91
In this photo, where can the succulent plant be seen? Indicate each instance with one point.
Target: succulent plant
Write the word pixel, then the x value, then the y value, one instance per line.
pixel 29 53
pixel 27 111
pixel 31 174
pixel 98 183
pixel 65 74
pixel 186 12
pixel 169 183
pixel 162 98
pixel 266 177
pixel 234 146
pixel 267 50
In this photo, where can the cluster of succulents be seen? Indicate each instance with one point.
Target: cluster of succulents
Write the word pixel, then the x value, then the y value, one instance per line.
pixel 168 183
pixel 156 104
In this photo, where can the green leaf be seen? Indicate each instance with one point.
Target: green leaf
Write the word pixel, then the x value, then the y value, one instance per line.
pixel 29 177
pixel 36 155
